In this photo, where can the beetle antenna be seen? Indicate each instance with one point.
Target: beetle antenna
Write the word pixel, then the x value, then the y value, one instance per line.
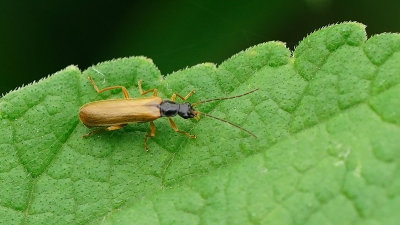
pixel 224 98
pixel 104 79
pixel 232 124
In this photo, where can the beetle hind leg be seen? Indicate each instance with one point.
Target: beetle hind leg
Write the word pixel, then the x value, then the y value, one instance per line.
pixel 110 128
pixel 116 127
pixel 93 132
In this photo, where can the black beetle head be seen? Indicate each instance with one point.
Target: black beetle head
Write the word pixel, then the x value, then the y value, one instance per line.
pixel 186 111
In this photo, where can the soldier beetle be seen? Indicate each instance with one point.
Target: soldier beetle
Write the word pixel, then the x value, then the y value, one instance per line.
pixel 114 114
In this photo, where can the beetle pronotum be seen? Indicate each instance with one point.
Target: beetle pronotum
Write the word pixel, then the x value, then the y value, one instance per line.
pixel 114 114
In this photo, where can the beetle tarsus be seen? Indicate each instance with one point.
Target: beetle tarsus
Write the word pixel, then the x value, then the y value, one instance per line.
pixel 176 129
pixel 154 90
pixel 152 134
pixel 124 90
pixel 173 97
pixel 93 132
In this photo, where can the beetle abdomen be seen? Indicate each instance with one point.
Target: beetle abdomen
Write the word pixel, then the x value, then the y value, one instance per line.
pixel 120 111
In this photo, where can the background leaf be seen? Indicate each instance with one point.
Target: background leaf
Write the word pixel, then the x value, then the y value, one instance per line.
pixel 328 147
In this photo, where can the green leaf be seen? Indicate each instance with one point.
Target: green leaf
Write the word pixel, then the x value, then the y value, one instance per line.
pixel 327 118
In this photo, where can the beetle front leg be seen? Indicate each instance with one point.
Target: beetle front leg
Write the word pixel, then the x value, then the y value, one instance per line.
pixel 173 125
pixel 152 134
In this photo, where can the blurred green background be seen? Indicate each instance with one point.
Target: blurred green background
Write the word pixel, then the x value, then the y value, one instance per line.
pixel 41 37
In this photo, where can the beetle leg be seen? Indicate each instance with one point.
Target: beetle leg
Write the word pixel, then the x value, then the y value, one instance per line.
pixel 152 134
pixel 173 125
pixel 115 127
pixel 124 90
pixel 173 97
pixel 154 90
pixel 93 132
pixel 110 128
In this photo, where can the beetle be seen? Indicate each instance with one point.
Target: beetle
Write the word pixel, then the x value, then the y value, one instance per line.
pixel 114 114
